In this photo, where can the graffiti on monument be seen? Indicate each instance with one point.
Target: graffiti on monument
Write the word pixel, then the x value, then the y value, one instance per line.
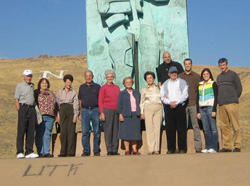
pixel 130 36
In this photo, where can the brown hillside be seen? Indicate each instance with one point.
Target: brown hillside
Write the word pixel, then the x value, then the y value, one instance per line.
pixel 11 71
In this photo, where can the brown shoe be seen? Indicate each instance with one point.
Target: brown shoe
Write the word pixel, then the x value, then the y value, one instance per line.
pixel 151 153
pixel 225 150
pixel 236 150
pixel 198 150
pixel 136 153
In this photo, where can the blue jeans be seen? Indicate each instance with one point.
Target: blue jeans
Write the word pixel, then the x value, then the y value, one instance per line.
pixel 43 135
pixel 210 128
pixel 93 116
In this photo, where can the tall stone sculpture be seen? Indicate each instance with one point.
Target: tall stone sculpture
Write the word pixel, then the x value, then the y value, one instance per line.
pixel 130 36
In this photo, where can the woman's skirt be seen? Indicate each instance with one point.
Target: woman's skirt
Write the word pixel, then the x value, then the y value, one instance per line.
pixel 130 128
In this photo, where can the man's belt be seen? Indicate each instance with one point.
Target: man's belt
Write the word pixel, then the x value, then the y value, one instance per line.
pixel 26 105
pixel 90 108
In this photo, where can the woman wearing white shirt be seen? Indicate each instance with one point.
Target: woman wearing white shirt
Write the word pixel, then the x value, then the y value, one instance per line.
pixel 151 111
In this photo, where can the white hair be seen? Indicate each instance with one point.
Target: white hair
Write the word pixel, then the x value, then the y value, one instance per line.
pixel 110 71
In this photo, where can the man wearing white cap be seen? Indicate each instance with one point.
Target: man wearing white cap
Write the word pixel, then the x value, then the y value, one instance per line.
pixel 25 104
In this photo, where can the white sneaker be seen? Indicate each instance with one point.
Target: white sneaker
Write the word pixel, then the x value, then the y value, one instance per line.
pixel 211 151
pixel 204 151
pixel 31 155
pixel 20 155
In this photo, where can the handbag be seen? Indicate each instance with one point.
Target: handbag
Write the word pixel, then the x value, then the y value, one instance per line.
pixel 58 128
pixel 38 115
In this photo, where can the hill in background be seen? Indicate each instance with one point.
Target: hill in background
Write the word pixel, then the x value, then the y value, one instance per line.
pixel 11 75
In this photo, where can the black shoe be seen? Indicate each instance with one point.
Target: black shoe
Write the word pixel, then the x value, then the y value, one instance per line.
pixel 110 153
pixel 236 150
pixel 41 155
pixel 62 155
pixel 71 155
pixel 85 154
pixel 182 152
pixel 170 152
pixel 225 150
pixel 116 153
pixel 48 156
pixel 96 153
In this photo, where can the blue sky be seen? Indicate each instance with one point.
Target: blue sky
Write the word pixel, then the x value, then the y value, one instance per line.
pixel 29 28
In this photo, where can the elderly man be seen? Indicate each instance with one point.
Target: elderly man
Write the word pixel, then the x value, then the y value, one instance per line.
pixel 25 105
pixel 193 80
pixel 174 95
pixel 229 91
pixel 162 70
pixel 88 100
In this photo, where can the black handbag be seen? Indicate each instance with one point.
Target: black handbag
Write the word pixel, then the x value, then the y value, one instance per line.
pixel 58 129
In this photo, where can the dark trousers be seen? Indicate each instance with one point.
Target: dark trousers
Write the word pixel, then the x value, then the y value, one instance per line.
pixel 175 120
pixel 26 126
pixel 111 127
pixel 67 136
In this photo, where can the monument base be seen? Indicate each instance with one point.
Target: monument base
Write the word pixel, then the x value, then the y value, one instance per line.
pixel 143 147
pixel 161 170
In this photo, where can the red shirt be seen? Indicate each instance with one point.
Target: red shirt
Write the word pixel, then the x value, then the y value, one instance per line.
pixel 108 97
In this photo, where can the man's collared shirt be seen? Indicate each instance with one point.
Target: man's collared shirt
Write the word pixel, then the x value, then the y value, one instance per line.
pixel 193 80
pixel 25 93
pixel 68 97
pixel 89 94
pixel 175 94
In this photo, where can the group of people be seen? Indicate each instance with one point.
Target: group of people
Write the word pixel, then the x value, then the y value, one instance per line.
pixel 182 94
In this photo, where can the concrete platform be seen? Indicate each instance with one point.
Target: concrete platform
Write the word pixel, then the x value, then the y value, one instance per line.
pixel 145 170
pixel 143 148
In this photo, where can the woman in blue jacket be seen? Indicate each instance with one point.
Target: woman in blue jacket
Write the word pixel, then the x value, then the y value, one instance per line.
pixel 129 116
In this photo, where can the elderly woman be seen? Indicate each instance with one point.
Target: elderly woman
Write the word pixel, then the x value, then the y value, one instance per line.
pixel 67 100
pixel 206 110
pixel 151 111
pixel 46 101
pixel 108 97
pixel 129 116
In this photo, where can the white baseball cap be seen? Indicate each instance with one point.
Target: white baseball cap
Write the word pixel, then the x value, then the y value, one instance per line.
pixel 27 72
